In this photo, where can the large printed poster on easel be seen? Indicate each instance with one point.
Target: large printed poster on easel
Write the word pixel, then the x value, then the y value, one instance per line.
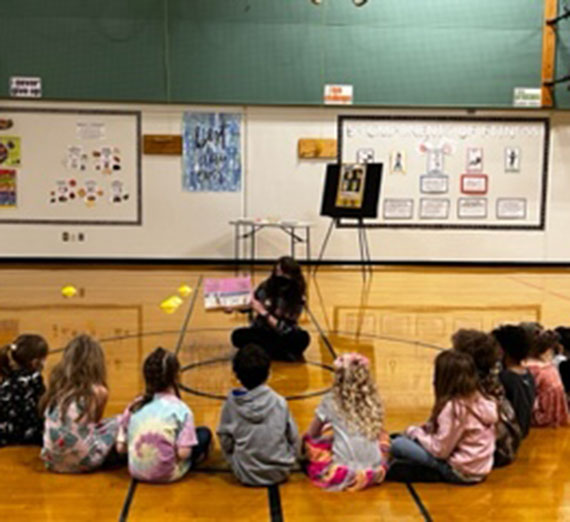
pixel 454 172
pixel 65 166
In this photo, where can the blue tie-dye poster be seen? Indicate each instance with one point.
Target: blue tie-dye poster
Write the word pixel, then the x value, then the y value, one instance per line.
pixel 212 152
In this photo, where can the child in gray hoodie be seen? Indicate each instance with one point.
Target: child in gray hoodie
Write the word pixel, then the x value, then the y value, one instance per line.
pixel 257 433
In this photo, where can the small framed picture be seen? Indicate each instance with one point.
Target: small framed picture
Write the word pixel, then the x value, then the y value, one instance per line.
pixel 512 159
pixel 474 184
pixel 474 159
pixel 434 184
pixel 434 208
pixel 398 162
pixel 364 156
pixel 511 208
pixel 472 208
pixel 398 208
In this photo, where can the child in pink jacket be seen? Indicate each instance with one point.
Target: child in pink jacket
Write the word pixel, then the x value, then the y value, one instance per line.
pixel 458 441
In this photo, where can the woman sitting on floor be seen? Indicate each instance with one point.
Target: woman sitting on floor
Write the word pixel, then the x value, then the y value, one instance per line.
pixel 277 304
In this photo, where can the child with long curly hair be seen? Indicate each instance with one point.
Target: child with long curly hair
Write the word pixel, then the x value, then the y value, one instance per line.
pixel 355 455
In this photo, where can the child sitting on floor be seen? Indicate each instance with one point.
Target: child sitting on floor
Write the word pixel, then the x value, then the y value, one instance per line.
pixel 550 407
pixel 484 350
pixel 458 441
pixel 517 380
pixel 355 455
pixel 21 387
pixel 76 439
pixel 157 429
pixel 563 359
pixel 257 433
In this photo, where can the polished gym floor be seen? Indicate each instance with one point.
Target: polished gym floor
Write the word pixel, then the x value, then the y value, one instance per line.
pixel 399 317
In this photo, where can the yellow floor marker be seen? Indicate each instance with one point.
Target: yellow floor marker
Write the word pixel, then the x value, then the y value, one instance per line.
pixel 171 304
pixel 184 290
pixel 68 291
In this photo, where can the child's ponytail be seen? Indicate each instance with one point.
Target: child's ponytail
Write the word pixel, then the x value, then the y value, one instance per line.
pixel 160 371
pixel 22 353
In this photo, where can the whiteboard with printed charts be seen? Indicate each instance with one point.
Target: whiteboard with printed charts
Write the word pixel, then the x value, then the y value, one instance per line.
pixel 60 166
pixel 454 171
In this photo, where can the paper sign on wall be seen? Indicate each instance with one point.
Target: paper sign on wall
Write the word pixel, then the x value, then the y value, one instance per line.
pixel 338 94
pixel 25 87
pixel 525 97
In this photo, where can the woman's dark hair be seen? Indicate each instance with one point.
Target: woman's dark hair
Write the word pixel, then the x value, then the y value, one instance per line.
pixel 479 345
pixel 23 352
pixel 160 370
pixel 292 270
pixel 513 340
pixel 251 365
pixel 455 377
pixel 284 293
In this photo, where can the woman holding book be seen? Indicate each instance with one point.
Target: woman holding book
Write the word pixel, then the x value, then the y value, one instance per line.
pixel 276 306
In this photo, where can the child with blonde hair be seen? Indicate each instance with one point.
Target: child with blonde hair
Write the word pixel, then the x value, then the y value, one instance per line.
pixel 355 455
pixel 21 387
pixel 76 439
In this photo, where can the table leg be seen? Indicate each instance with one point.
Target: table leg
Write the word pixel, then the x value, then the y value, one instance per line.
pixel 236 247
pixel 252 245
pixel 308 243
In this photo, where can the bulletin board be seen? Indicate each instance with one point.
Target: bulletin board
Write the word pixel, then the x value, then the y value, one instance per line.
pixel 70 167
pixel 454 172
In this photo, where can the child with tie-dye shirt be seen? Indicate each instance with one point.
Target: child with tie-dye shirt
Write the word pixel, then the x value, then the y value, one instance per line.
pixel 158 429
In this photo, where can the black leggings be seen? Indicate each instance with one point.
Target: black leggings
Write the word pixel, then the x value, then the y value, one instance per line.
pixel 280 347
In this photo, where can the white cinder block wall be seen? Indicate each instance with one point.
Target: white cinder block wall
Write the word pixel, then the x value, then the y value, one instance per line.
pixel 183 225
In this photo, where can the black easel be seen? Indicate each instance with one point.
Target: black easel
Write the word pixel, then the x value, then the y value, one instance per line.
pixel 365 259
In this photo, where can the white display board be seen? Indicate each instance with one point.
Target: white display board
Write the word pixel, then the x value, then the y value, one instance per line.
pixel 453 172
pixel 70 166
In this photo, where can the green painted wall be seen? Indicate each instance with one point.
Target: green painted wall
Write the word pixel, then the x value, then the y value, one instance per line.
pixel 394 52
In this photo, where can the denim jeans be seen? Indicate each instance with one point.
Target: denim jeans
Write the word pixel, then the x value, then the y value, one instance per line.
pixel 200 451
pixel 408 451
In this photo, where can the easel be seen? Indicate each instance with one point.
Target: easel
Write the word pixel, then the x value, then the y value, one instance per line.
pixel 365 259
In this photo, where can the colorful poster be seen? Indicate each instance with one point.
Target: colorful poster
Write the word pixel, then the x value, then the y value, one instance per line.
pixel 212 152
pixel 7 188
pixel 351 186
pixel 10 151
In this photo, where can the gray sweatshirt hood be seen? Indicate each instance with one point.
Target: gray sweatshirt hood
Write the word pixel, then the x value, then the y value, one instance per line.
pixel 254 405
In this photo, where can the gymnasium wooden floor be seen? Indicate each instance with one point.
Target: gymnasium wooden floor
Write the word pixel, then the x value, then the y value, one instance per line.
pixel 401 319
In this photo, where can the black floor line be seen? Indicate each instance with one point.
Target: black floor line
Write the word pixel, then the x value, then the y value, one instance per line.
pixel 275 511
pixel 321 333
pixel 419 503
pixel 128 500
pixel 184 328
